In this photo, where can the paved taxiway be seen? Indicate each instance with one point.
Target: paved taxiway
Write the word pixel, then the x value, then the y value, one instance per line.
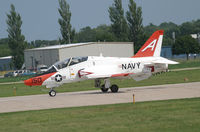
pixel 87 98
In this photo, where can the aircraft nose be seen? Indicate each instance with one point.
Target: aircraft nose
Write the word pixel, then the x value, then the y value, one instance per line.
pixel 38 80
pixel 28 82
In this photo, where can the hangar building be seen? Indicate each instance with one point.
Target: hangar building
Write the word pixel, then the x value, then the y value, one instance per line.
pixel 6 63
pixel 51 54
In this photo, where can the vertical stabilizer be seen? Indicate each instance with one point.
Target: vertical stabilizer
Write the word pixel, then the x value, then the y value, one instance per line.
pixel 152 47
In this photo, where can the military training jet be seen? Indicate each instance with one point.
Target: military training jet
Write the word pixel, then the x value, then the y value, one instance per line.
pixel 139 67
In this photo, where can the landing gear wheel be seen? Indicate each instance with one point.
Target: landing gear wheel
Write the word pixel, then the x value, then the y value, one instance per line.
pixel 114 88
pixel 52 93
pixel 103 89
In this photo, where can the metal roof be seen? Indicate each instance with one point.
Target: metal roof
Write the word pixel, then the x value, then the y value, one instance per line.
pixel 6 57
pixel 60 46
pixel 74 45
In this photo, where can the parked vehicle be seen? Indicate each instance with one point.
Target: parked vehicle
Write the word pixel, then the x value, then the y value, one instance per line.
pixel 15 73
pixel 42 68
pixel 27 73
pixel 20 72
pixel 9 74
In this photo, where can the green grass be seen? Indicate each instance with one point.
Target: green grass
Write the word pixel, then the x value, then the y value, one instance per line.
pixel 157 116
pixel 186 64
pixel 14 79
pixel 165 78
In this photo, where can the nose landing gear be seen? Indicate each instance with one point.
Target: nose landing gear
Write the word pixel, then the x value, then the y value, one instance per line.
pixel 52 93
pixel 103 89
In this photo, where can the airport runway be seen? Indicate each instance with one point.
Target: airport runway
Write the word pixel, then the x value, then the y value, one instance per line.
pixel 88 98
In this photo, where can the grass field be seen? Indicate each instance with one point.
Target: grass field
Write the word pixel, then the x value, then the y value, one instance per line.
pixel 166 116
pixel 165 78
pixel 186 64
pixel 157 116
pixel 14 79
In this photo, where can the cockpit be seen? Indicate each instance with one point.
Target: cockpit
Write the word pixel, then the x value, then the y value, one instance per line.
pixel 65 63
pixel 69 62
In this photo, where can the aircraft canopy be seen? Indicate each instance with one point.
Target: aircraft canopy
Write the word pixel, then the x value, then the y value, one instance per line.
pixel 70 62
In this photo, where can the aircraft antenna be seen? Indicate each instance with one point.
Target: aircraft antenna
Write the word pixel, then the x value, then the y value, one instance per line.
pixel 100 48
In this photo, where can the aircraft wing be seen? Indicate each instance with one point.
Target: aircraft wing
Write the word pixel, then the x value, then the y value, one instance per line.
pixel 136 77
pixel 101 74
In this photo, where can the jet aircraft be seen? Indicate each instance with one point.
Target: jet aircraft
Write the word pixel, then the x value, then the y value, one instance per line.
pixel 139 67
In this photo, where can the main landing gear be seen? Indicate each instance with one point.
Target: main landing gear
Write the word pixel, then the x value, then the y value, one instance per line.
pixel 106 86
pixel 52 93
pixel 114 88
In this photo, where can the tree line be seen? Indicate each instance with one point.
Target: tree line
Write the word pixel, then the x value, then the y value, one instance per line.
pixel 125 26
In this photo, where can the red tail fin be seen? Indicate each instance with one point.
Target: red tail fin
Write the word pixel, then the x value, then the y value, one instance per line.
pixel 152 47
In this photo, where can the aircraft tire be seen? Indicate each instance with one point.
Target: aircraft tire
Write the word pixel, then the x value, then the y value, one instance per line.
pixel 114 88
pixel 103 89
pixel 52 93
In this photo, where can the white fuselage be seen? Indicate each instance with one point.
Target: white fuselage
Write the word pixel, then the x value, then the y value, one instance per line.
pixel 105 67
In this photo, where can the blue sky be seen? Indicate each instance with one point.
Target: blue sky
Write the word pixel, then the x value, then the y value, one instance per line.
pixel 40 17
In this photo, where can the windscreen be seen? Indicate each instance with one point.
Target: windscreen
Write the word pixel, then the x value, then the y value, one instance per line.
pixel 69 62
pixel 77 60
pixel 51 70
pixel 62 64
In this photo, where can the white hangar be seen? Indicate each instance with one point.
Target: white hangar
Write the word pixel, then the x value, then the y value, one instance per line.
pixel 51 54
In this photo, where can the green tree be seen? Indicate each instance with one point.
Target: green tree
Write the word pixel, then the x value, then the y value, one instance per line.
pixel 186 45
pixel 119 25
pixel 100 33
pixel 192 27
pixel 197 26
pixel 103 33
pixel 16 40
pixel 65 25
pixel 4 48
pixel 169 28
pixel 150 29
pixel 187 28
pixel 134 17
pixel 42 43
pixel 86 34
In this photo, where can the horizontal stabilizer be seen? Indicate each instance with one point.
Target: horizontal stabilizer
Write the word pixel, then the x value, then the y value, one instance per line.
pixel 164 61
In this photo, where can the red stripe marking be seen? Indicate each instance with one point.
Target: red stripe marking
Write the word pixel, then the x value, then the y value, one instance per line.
pixel 37 81
pixel 121 74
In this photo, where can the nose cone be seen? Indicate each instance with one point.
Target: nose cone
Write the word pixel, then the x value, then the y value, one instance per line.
pixel 28 82
pixel 38 80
